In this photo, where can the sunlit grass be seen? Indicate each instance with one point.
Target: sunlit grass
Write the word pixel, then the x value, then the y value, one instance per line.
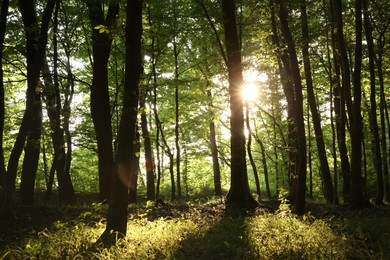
pixel 204 232
pixel 284 235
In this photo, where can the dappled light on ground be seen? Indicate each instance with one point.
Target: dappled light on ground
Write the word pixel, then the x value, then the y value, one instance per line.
pixel 206 231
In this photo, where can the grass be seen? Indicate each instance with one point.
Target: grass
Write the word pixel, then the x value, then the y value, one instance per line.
pixel 205 231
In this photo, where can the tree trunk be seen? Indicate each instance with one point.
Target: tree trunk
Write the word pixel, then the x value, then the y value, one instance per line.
pixel 373 108
pixel 177 126
pixel 288 89
pixel 117 214
pixel 332 83
pixel 149 162
pixel 339 97
pixel 100 100
pixel 239 194
pixel 35 56
pixel 384 117
pixel 265 168
pixel 67 186
pixel 3 26
pixel 213 144
pixel 31 154
pixel 309 155
pixel 249 150
pixel 324 166
pixel 357 195
pixel 133 180
pixel 300 188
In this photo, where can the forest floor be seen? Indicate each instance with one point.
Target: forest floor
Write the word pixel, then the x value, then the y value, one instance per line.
pixel 199 229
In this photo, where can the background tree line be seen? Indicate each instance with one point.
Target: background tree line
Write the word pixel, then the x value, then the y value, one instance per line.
pixel 148 98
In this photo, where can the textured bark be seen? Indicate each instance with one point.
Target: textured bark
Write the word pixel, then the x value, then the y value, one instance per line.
pixel 51 92
pixel 100 101
pixel 288 89
pixel 35 45
pixel 324 166
pixel 117 214
pixel 358 198
pixel 373 107
pixel 339 96
pixel 300 177
pixel 34 58
pixel 332 84
pixel 239 194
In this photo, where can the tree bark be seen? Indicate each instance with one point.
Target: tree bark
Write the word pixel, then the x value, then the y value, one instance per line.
pixel 300 177
pixel 373 106
pixel 117 214
pixel 100 100
pixel 133 180
pixel 3 27
pixel 239 194
pixel 284 67
pixel 177 123
pixel 324 166
pixel 339 96
pixel 149 161
pixel 213 145
pixel 35 45
pixel 249 150
pixel 357 195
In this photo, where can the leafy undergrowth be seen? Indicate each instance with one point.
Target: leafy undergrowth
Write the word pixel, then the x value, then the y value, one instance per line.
pixel 205 231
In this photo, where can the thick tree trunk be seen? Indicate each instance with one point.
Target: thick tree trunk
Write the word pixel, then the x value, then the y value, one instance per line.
pixel 117 214
pixel 35 45
pixel 100 100
pixel 31 154
pixel 239 194
pixel 324 166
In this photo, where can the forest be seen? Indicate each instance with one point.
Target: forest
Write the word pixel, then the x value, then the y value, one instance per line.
pixel 194 129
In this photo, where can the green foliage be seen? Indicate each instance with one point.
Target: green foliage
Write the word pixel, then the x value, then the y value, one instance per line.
pixel 202 231
pixel 284 235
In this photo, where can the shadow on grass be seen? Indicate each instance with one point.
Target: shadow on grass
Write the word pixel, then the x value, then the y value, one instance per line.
pixel 223 240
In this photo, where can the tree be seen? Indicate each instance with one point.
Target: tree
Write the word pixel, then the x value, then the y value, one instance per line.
pixel 239 194
pixel 299 179
pixel 357 195
pixel 52 97
pixel 30 128
pixel 100 101
pixel 325 171
pixel 117 213
pixel 3 26
pixel 373 108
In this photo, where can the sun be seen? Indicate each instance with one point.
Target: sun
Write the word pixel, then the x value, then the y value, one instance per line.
pixel 251 88
pixel 250 92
